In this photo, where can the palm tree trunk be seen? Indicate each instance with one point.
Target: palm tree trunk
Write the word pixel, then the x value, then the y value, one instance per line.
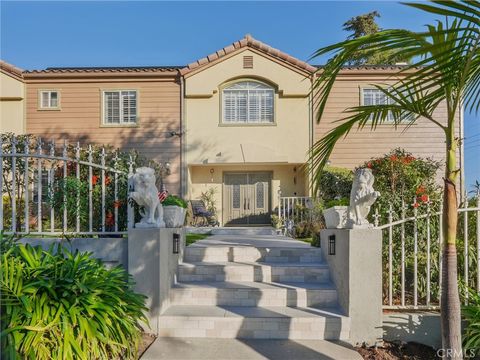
pixel 450 300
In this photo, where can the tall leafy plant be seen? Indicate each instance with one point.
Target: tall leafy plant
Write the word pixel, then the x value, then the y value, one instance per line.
pixel 445 70
pixel 58 304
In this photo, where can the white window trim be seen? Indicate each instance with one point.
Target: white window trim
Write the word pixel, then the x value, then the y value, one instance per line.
pixel 121 123
pixel 390 120
pixel 47 108
pixel 225 86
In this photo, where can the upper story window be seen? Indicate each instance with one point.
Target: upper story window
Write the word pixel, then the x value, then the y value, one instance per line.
pixel 119 107
pixel 377 97
pixel 49 99
pixel 248 102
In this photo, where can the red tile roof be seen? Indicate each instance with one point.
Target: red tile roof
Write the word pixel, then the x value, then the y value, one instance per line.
pixel 116 69
pixel 255 44
pixel 11 69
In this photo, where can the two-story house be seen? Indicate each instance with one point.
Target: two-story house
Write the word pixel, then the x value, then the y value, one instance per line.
pixel 240 120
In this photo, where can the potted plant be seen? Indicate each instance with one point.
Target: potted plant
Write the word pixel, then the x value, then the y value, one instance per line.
pixel 174 211
pixel 335 213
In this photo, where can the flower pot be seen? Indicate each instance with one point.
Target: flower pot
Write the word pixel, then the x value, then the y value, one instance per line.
pixel 174 216
pixel 335 217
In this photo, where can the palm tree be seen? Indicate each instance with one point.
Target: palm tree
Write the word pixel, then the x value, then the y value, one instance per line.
pixel 444 69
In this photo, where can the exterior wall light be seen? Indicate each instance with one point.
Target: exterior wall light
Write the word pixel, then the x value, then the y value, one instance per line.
pixel 331 245
pixel 176 243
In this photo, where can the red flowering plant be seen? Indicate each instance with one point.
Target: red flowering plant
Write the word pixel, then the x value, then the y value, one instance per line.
pixel 73 193
pixel 401 176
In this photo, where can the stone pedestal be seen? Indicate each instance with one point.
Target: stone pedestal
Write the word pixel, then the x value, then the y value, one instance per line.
pixel 356 270
pixel 153 265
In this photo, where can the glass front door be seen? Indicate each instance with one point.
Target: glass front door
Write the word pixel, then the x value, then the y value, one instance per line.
pixel 246 198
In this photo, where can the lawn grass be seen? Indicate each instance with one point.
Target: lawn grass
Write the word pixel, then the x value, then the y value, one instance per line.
pixel 307 240
pixel 192 238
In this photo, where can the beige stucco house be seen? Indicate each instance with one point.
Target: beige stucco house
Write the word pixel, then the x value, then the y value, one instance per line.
pixel 248 124
pixel 12 99
pixel 239 121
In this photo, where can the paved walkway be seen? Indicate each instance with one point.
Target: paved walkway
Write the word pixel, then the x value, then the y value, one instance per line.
pixel 245 349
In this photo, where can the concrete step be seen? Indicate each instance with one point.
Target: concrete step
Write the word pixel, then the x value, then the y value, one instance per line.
pixel 252 254
pixel 259 230
pixel 254 294
pixel 264 272
pixel 254 322
pixel 251 349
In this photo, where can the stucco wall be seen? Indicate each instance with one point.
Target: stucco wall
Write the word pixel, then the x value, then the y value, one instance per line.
pixel 210 141
pixel 12 102
pixel 79 117
pixel 200 180
pixel 112 251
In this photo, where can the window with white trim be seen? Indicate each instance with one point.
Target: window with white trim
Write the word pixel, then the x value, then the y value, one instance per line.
pixel 49 99
pixel 377 97
pixel 119 107
pixel 248 102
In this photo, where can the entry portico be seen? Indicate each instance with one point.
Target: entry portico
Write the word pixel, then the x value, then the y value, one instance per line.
pixel 248 129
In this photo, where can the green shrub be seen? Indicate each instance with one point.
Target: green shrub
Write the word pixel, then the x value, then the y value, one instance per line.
pixel 307 229
pixel 400 176
pixel 471 315
pixel 173 200
pixel 61 305
pixel 337 202
pixel 335 183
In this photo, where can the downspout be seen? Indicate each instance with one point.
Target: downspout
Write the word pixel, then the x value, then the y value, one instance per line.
pixel 183 140
pixel 311 128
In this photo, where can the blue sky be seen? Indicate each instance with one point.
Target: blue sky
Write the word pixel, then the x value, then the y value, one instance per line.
pixel 41 34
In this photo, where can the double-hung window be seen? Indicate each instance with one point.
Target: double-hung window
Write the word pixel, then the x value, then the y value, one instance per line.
pixel 49 99
pixel 376 97
pixel 248 102
pixel 119 107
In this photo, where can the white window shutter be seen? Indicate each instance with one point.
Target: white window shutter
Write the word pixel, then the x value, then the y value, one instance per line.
pixel 248 102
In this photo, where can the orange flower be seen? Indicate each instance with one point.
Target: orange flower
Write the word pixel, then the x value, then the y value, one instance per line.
pixel 424 198
pixel 94 180
pixel 420 190
pixel 369 165
pixel 393 157
pixel 416 205
pixel 117 204
pixel 408 159
pixel 108 180
pixel 109 220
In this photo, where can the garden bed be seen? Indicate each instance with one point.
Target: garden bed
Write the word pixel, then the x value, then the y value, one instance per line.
pixel 398 351
pixel 147 340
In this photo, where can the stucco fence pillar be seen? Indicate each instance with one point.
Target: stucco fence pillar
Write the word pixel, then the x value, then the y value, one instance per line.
pixel 153 265
pixel 355 261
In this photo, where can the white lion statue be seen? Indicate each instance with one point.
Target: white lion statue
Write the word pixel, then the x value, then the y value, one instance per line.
pixel 362 198
pixel 145 194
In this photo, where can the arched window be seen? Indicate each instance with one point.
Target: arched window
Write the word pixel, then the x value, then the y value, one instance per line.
pixel 247 102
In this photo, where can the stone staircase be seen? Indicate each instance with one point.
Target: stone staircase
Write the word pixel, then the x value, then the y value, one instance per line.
pixel 254 293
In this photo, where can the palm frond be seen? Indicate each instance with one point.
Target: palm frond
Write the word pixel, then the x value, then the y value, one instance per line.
pixel 466 10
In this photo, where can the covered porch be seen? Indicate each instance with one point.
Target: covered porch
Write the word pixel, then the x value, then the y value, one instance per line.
pixel 248 194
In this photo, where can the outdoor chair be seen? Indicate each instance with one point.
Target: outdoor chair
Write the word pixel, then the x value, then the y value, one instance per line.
pixel 201 216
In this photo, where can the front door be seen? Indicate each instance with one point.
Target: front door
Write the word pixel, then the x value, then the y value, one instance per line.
pixel 246 198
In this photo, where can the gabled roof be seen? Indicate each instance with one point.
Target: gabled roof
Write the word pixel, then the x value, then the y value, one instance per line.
pixel 11 69
pixel 249 41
